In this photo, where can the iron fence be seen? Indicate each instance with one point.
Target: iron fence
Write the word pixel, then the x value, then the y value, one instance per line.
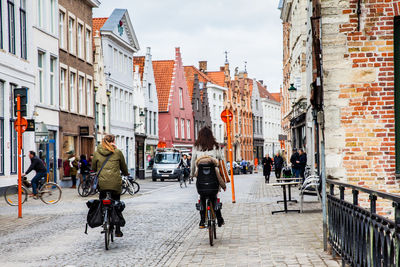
pixel 359 235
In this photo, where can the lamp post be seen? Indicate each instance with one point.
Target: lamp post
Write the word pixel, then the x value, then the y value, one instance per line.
pixel 292 93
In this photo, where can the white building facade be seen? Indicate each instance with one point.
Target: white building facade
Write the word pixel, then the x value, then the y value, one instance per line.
pixel 16 70
pixel 45 50
pixel 119 45
pixel 258 112
pixel 272 124
pixel 215 95
pixel 151 108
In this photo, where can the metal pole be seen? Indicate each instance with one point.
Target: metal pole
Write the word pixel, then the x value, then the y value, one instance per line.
pixel 323 176
pixel 228 128
pixel 19 130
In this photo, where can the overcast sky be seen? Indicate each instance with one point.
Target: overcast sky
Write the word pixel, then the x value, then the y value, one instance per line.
pixel 250 30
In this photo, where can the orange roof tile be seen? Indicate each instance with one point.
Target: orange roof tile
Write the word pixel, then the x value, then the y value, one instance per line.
pixel 163 70
pixel 98 24
pixel 218 77
pixel 277 96
pixel 262 89
pixel 140 62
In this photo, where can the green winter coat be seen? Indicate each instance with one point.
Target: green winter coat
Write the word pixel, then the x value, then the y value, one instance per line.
pixel 110 177
pixel 74 169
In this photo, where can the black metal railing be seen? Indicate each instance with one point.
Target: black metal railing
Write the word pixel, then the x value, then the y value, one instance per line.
pixel 359 235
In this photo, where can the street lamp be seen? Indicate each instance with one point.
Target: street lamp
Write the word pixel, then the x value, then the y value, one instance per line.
pixel 292 93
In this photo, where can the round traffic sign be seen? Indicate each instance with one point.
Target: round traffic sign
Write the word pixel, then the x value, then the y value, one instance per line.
pixel 21 121
pixel 226 114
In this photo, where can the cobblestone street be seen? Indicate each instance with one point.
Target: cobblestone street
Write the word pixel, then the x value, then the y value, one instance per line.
pixel 162 230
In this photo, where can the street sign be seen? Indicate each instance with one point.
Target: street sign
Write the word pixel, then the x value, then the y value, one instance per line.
pixel 226 114
pixel 21 121
pixel 31 126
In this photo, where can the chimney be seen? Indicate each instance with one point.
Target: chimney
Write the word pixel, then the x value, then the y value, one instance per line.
pixel 148 50
pixel 222 68
pixel 203 66
pixel 261 81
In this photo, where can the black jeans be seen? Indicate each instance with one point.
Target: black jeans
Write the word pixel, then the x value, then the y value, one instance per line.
pixel 73 177
pixel 267 175
pixel 203 204
pixel 278 172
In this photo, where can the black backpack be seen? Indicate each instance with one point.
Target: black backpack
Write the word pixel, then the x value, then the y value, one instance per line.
pixel 207 181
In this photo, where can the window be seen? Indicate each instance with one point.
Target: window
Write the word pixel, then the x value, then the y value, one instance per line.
pixel 80 40
pixel 182 128
pixel 155 123
pixel 61 33
pixel 121 62
pixel 13 140
pixel 149 129
pixel 103 112
pixel 220 134
pixel 80 95
pixel 195 130
pixel 115 61
pixel 52 20
pixel 88 46
pixel 188 129
pixel 72 91
pixel 176 128
pixel 22 16
pixel 11 27
pixel 71 40
pixel 257 104
pixel 52 79
pixel 89 97
pixel 125 63
pixel 97 115
pixel 149 89
pixel 214 96
pixel 197 104
pixel 40 76
pixel 62 87
pixel 180 98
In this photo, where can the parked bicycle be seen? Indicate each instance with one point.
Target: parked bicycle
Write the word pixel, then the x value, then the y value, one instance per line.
pixel 211 218
pixel 129 184
pixel 48 192
pixel 88 186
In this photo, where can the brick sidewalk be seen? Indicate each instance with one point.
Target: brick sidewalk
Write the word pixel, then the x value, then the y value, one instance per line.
pixel 253 236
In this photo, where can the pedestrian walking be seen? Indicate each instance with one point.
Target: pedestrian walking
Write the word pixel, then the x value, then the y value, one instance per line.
pixel 84 168
pixel 73 164
pixel 278 164
pixel 295 161
pixel 302 163
pixel 267 165
pixel 243 165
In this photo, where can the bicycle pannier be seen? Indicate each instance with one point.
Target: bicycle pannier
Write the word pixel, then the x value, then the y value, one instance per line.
pixel 116 214
pixel 95 215
pixel 207 181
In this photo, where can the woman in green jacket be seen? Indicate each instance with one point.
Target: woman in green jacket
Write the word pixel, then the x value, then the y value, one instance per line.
pixel 110 176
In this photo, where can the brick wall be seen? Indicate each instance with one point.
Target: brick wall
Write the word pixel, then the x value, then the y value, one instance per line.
pixel 359 91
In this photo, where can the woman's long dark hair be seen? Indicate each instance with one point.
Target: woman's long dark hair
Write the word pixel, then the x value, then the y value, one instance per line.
pixel 206 140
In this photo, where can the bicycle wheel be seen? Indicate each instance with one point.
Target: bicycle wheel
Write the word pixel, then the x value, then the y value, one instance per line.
pixel 106 227
pixel 11 195
pixel 211 232
pixel 50 193
pixel 180 181
pixel 215 229
pixel 83 189
pixel 124 188
pixel 130 189
pixel 184 181
pixel 136 186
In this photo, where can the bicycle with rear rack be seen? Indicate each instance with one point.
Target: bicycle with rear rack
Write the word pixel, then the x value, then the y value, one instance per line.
pixel 48 192
pixel 108 227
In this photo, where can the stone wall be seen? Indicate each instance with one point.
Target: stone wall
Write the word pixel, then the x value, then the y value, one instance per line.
pixel 358 73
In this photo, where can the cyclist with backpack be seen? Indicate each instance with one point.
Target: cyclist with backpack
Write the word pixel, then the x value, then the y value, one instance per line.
pixel 206 153
pixel 110 160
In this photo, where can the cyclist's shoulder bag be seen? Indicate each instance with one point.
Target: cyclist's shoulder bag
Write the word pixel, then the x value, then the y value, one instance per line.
pixel 96 178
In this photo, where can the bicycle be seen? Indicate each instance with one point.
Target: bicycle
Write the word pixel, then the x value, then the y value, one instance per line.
pixel 210 218
pixel 182 178
pixel 129 184
pixel 108 228
pixel 88 186
pixel 48 192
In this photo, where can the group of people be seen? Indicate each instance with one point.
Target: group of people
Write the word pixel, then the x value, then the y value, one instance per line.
pixel 74 167
pixel 298 161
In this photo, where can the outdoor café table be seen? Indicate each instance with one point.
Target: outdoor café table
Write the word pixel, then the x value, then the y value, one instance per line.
pixel 283 185
pixel 293 179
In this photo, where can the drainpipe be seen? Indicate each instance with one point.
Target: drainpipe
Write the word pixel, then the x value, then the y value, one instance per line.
pixel 320 118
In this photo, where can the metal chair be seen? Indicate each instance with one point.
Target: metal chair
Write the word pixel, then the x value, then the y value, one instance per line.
pixel 310 187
